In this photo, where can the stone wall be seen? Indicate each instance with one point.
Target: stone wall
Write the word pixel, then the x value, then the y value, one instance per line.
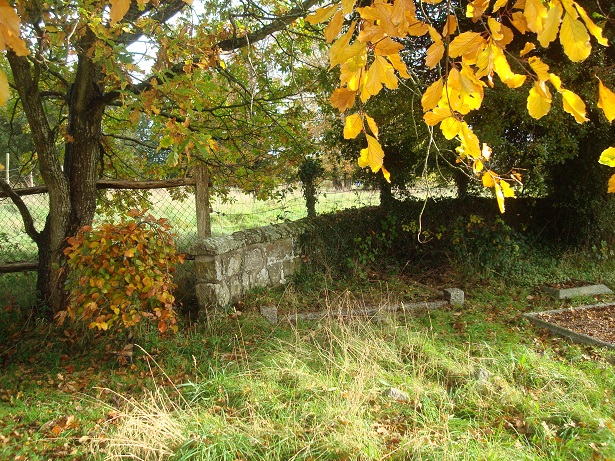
pixel 227 267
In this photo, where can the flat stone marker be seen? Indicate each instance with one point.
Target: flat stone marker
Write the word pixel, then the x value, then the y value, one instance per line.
pixel 587 290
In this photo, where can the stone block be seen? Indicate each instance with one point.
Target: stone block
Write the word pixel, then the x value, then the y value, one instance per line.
pixel 253 260
pixel 454 296
pixel 208 269
pixel 212 295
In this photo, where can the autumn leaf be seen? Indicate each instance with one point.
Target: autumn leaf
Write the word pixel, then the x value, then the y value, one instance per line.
pixel 539 101
pixel 551 25
pixel 450 127
pixel 380 73
pixel 372 125
pixel 387 46
pixel 372 156
pixel 334 27
pixel 436 115
pixel 591 26
pixel 488 180
pixel 119 8
pixel 540 68
pixel 606 101
pixel 574 105
pixel 343 99
pixel 432 95
pixel 611 189
pixel 321 14
pixel 608 157
pixel 10 30
pixel 506 189
pixel 4 89
pixel 499 195
pixel 574 38
pixel 465 44
pixel 353 126
pixel 528 48
pixel 535 13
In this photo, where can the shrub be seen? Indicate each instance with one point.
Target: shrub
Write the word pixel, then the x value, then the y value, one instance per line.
pixel 121 273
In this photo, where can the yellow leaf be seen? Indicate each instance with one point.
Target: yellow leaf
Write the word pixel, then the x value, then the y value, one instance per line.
pixel 502 68
pixel 478 166
pixel 372 156
pixel 518 20
pixel 380 73
pixel 436 116
pixel 539 101
pixel 551 25
pixel 450 127
pixel 593 28
pixel 476 9
pixel 432 95
pixel 353 126
pixel 119 8
pixel 608 157
pixel 321 14
pixel 347 6
pixel 556 82
pixel 386 174
pixel 434 54
pixel 499 195
pixel 611 189
pixel 486 152
pixel 541 69
pixel 4 89
pixel 10 30
pixel 341 52
pixel 334 27
pixel 574 105
pixel 495 29
pixel 528 48
pixel 465 44
pixel 574 38
pixel 343 98
pixel 372 125
pixel 506 189
pixel 606 101
pixel 535 13
pixel 450 27
pixel 399 65
pixel 387 46
pixel 469 142
pixel 499 4
pixel 488 179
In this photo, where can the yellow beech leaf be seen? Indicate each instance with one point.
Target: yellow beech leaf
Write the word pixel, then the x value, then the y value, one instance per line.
pixel 380 73
pixel 541 69
pixel 611 189
pixel 606 101
pixel 499 4
pixel 334 27
pixel 432 95
pixel 338 53
pixel 348 5
pixel 518 20
pixel 386 174
pixel 450 127
pixel 398 65
pixel 1 167
pixel 506 189
pixel 476 9
pixel 539 101
pixel 387 46
pixel 486 152
pixel 528 48
pixel 477 166
pixel 372 125
pixel 556 82
pixel 551 25
pixel 343 98
pixel 450 27
pixel 417 28
pixel 593 28
pixel 321 14
pixel 4 89
pixel 434 54
pixel 499 195
pixel 488 179
pixel 372 156
pixel 353 126
pixel 436 116
pixel 535 13
pixel 608 157
pixel 118 9
pixel 469 142
pixel 495 29
pixel 574 105
pixel 464 44
pixel 10 30
pixel 574 38
pixel 502 68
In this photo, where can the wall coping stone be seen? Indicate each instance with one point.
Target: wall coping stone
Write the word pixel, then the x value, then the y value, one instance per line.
pixel 212 246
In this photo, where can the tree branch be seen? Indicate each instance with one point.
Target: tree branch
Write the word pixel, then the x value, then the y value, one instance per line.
pixel 23 210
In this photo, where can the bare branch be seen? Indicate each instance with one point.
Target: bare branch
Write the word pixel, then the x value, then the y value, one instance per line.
pixel 23 210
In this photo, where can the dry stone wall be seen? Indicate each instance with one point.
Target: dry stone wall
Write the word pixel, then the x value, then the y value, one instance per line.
pixel 229 266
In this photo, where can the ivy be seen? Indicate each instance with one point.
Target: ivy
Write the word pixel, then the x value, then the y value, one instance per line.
pixel 120 273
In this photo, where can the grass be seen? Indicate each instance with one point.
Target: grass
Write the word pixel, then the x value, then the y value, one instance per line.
pixel 482 384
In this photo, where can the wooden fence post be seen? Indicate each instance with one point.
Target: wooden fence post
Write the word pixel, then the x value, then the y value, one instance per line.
pixel 203 221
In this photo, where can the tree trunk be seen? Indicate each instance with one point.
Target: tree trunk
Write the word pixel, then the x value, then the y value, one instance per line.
pixel 72 190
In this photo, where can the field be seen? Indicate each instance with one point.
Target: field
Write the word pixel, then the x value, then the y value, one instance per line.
pixel 477 382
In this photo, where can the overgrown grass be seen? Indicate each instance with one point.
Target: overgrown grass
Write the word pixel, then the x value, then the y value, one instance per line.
pixel 481 384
